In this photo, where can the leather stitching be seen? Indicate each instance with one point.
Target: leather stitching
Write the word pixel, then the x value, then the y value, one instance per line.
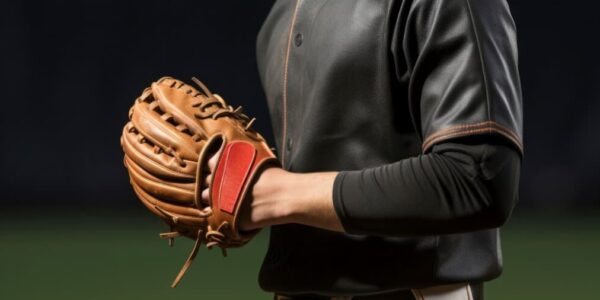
pixel 471 129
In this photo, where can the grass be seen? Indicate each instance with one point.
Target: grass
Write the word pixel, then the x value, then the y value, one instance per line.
pixel 116 255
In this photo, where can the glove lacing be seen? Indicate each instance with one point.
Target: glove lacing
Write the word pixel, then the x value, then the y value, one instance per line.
pixel 222 109
pixel 214 238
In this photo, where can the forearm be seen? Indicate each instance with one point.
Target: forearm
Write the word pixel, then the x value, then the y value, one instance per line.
pixel 460 188
pixel 457 188
pixel 311 200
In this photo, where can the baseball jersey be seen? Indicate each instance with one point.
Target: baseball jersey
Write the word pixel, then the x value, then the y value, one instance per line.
pixel 417 104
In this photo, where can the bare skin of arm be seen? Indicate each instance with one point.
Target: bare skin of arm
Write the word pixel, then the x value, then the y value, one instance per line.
pixel 281 197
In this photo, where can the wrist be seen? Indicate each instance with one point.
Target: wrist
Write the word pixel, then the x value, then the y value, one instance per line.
pixel 270 200
pixel 281 197
pixel 305 198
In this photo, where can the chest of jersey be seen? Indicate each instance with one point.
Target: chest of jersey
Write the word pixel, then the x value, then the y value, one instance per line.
pixel 325 68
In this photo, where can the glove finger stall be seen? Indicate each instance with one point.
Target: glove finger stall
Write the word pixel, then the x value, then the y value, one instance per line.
pixel 174 215
pixel 156 162
pixel 160 129
pixel 182 101
pixel 170 191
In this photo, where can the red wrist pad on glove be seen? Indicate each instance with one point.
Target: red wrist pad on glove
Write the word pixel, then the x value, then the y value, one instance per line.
pixel 231 175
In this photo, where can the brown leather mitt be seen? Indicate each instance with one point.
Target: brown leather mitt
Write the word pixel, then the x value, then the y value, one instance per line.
pixel 172 132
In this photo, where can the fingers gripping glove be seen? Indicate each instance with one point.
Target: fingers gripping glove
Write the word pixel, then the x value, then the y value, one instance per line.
pixel 173 130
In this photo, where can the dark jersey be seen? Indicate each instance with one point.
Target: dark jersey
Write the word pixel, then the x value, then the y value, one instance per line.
pixel 418 103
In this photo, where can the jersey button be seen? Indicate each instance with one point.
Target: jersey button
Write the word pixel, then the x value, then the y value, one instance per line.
pixel 298 39
pixel 288 144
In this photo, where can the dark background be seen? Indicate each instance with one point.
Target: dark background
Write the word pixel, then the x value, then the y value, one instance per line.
pixel 70 70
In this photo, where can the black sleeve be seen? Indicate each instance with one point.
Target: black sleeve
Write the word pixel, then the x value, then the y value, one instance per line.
pixel 457 187
pixel 458 60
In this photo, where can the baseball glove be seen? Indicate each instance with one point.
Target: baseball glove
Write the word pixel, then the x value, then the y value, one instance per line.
pixel 173 131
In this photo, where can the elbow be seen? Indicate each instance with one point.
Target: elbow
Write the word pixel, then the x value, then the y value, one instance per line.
pixel 502 191
pixel 494 213
pixel 497 216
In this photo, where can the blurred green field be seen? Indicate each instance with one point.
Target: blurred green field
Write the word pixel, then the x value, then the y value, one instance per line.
pixel 116 255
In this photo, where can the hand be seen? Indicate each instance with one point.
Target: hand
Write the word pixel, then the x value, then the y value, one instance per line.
pixel 260 209
pixel 280 197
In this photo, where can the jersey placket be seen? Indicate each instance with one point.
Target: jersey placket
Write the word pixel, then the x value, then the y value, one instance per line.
pixel 294 41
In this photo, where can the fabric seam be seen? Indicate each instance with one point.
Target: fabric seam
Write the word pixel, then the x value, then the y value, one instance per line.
pixel 285 82
pixel 471 129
